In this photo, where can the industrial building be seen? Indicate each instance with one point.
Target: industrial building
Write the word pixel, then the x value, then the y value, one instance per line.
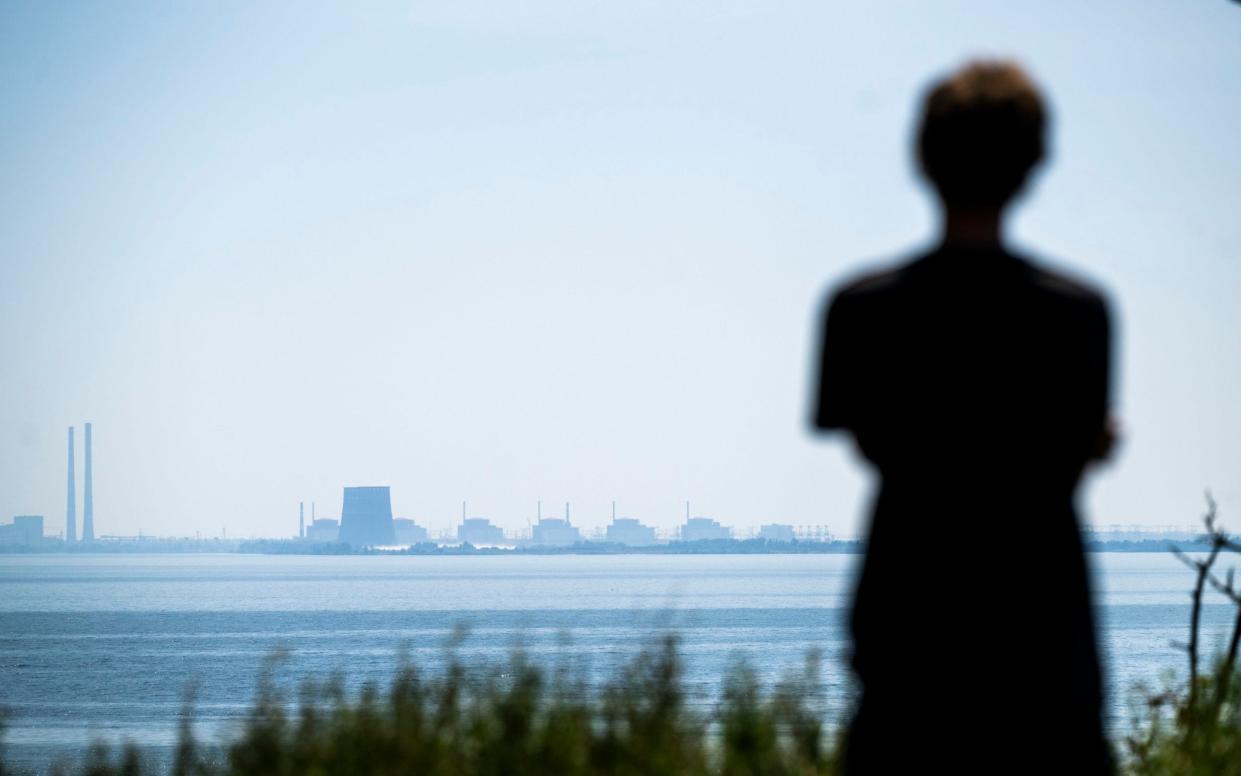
pixel 479 531
pixel 631 532
pixel 366 517
pixel 409 532
pixel 323 529
pixel 697 529
pixel 25 530
pixel 777 532
pixel 554 532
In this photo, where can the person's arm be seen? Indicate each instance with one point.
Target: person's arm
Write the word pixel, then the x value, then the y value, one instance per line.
pixel 1109 439
pixel 1099 364
pixel 841 398
pixel 833 401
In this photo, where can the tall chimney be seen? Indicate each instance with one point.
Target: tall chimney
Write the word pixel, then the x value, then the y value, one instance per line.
pixel 88 502
pixel 301 519
pixel 71 509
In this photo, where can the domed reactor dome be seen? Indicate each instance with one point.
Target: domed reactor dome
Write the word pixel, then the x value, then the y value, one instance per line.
pixel 366 517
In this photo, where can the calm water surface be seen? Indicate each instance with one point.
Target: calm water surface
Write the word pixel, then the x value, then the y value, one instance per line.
pixel 104 646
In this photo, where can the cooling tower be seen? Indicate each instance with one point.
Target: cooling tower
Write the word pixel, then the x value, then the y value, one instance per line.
pixel 88 502
pixel 366 517
pixel 71 507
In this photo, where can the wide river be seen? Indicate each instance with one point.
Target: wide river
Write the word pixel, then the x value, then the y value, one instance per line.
pixel 105 646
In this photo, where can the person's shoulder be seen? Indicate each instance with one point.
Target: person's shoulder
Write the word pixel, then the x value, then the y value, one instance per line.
pixel 1048 277
pixel 877 279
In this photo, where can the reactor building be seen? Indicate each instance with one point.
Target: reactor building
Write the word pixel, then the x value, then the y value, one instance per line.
pixel 697 529
pixel 409 532
pixel 553 532
pixel 631 532
pixel 479 531
pixel 366 517
pixel 323 529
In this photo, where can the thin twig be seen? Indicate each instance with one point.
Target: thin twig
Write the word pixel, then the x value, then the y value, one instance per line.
pixel 1203 570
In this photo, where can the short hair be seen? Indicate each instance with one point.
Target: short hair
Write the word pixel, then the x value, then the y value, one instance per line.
pixel 981 133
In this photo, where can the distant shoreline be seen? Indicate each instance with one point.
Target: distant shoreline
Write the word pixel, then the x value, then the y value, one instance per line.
pixel 703 547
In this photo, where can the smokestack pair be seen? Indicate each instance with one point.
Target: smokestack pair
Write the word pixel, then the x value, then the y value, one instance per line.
pixel 88 501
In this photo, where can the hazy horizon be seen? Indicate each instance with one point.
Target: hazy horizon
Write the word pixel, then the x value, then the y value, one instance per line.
pixel 561 252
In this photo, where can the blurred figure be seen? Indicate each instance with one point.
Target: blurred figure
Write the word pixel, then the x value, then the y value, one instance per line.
pixel 977 383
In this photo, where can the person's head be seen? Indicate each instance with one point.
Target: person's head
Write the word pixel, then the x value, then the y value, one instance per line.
pixel 981 134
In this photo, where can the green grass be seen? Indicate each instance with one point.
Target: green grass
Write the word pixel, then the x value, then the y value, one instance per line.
pixel 515 718
pixel 1175 736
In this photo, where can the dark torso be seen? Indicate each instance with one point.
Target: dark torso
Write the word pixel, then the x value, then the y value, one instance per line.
pixel 977 384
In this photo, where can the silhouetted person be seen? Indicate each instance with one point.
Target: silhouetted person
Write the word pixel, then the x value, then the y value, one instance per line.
pixel 976 382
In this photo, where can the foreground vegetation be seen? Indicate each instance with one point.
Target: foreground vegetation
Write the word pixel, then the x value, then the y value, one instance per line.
pixel 517 718
pixel 1195 729
pixel 522 718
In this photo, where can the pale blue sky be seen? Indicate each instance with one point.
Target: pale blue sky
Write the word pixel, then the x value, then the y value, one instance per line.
pixel 560 250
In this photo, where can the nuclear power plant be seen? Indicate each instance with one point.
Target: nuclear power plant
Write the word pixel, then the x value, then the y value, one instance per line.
pixel 366 517
pixel 366 521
